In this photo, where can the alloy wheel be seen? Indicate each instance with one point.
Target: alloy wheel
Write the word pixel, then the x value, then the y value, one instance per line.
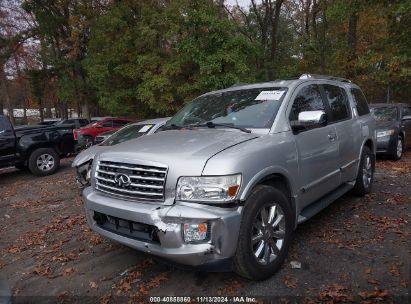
pixel 367 171
pixel 268 233
pixel 45 162
pixel 399 148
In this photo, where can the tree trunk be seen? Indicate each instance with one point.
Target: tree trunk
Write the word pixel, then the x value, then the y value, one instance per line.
pixel 323 38
pixel 23 84
pixel 274 36
pixel 352 43
pixel 6 97
pixel 389 93
pixel 82 98
pixel 307 18
pixel 41 109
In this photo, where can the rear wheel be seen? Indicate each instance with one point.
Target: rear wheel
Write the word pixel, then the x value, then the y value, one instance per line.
pixel 44 161
pixel 365 176
pixel 265 234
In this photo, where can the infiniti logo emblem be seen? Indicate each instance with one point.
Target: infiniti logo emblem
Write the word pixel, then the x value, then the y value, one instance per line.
pixel 122 179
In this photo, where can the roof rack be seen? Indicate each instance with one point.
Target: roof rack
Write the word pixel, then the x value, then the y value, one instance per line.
pixel 238 84
pixel 315 76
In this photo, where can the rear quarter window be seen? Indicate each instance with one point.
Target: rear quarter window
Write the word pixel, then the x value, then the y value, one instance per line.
pixel 360 102
pixel 406 111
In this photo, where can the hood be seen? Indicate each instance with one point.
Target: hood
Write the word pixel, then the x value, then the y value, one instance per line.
pixel 386 124
pixel 87 154
pixel 186 150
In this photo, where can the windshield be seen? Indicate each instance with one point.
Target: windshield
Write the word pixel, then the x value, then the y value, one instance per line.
pixel 384 113
pixel 249 108
pixel 127 133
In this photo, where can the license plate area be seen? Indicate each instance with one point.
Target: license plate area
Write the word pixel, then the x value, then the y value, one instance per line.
pixel 127 228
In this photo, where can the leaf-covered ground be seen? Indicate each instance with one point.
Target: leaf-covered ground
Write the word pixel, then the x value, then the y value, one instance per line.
pixel 355 250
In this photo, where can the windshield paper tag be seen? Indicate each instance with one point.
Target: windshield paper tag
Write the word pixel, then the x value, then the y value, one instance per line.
pixel 270 95
pixel 145 128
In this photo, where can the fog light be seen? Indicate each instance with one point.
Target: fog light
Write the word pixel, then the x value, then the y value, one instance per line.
pixel 195 232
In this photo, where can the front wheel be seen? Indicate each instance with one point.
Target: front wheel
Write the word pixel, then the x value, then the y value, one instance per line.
pixel 265 234
pixel 365 176
pixel 44 161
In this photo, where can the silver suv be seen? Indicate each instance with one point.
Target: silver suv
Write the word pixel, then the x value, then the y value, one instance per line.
pixel 234 172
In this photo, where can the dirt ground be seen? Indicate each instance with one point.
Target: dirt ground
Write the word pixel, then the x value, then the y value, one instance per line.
pixel 357 249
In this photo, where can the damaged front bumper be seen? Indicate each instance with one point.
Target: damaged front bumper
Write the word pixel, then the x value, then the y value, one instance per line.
pixel 83 175
pixel 157 229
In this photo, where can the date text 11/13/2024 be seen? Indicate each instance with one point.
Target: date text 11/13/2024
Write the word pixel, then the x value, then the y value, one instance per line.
pixel 203 299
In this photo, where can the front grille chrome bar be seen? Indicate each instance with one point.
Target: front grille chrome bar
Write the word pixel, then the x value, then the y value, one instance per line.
pixel 137 181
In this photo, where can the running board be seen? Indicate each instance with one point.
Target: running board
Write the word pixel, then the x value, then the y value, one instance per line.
pixel 323 202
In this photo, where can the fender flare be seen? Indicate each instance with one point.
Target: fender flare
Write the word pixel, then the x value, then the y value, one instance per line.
pixel 257 178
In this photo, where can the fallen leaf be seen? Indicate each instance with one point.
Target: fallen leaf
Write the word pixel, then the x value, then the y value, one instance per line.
pixel 69 270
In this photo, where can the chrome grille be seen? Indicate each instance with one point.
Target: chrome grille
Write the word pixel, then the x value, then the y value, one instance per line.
pixel 143 182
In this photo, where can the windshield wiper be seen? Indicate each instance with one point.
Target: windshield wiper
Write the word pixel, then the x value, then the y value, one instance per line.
pixel 172 127
pixel 211 124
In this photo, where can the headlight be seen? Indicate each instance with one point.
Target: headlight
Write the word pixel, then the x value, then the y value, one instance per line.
pixel 385 133
pixel 218 189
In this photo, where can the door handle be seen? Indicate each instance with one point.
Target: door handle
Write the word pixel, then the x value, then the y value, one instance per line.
pixel 332 136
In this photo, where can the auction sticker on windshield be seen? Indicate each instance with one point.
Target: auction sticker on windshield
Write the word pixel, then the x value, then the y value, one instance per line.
pixel 145 128
pixel 270 95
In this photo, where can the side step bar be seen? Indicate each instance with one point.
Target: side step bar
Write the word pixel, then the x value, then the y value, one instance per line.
pixel 323 202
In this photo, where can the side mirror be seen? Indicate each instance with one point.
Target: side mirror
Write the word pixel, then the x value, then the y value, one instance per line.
pixel 310 120
pixel 406 118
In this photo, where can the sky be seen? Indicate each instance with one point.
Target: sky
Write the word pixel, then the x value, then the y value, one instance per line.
pixel 243 3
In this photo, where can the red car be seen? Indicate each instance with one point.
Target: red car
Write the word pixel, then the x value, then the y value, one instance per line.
pixel 85 135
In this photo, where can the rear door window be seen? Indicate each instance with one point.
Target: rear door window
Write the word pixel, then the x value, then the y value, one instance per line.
pixel 83 122
pixel 120 123
pixel 107 123
pixel 360 102
pixel 338 101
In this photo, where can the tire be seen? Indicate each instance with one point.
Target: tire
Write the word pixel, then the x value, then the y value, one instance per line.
pixel 88 141
pixel 365 175
pixel 398 149
pixel 44 161
pixel 248 261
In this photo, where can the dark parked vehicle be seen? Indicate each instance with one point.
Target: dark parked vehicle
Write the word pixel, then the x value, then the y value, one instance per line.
pixel 73 123
pixel 393 128
pixel 48 122
pixel 38 149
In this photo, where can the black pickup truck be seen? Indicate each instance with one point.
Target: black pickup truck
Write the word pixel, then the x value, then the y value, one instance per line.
pixel 38 149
